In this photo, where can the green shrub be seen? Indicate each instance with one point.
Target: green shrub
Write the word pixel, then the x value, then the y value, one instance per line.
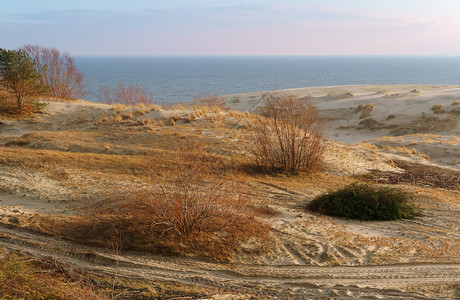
pixel 366 202
pixel 39 106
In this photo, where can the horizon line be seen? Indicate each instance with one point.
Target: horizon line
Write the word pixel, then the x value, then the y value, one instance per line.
pixel 266 55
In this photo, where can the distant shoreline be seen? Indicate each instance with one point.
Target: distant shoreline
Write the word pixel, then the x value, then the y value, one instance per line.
pixel 180 78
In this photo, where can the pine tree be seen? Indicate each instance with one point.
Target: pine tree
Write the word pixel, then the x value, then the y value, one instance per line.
pixel 19 76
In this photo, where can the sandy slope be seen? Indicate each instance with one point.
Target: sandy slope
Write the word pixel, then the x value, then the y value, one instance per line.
pixel 312 256
pixel 288 281
pixel 396 112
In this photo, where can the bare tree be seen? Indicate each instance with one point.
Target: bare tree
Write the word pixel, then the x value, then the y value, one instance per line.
pixel 61 75
pixel 288 136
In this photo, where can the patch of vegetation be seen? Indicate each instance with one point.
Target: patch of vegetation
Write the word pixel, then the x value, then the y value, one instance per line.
pixel 188 209
pixel 358 108
pixel 34 279
pixel 426 124
pixel 22 277
pixel 125 95
pixel 366 202
pixel 370 123
pixel 438 109
pixel 210 100
pixel 39 106
pixel 19 79
pixel 288 137
pixel 59 72
pixel 367 111
pixel 419 174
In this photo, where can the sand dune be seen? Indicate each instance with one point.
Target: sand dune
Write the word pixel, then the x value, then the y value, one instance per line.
pixel 77 150
pixel 353 114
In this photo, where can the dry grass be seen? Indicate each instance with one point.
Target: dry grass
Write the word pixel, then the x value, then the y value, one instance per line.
pixel 367 111
pixel 209 100
pixel 426 124
pixel 438 109
pixel 189 208
pixel 116 165
pixel 370 124
pixel 419 174
pixel 22 278
pixel 358 108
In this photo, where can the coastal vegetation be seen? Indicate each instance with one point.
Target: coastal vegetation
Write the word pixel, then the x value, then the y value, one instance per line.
pixel 190 208
pixel 366 202
pixel 19 80
pixel 288 136
pixel 28 73
pixel 123 190
pixel 125 95
pixel 25 278
pixel 59 73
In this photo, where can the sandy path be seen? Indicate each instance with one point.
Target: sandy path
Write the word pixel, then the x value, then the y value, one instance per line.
pixel 293 281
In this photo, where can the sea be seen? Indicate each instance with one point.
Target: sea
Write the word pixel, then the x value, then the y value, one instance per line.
pixel 175 79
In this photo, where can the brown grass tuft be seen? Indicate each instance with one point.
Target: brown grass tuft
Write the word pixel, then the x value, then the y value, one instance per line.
pixel 367 111
pixel 437 109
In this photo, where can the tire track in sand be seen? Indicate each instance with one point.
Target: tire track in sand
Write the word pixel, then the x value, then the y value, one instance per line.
pixel 288 281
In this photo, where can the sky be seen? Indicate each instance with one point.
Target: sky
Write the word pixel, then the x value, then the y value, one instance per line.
pixel 234 27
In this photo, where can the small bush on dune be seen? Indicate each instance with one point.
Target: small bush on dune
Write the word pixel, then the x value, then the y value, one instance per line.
pixel 209 100
pixel 366 202
pixel 190 210
pixel 288 136
pixel 125 95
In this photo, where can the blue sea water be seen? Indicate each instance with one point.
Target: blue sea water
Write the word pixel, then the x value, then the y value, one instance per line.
pixel 177 79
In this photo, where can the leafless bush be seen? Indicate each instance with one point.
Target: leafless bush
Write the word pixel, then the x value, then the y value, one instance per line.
pixel 209 100
pixel 190 209
pixel 129 96
pixel 288 136
pixel 61 75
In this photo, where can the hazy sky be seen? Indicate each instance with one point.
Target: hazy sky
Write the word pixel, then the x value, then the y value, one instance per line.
pixel 234 27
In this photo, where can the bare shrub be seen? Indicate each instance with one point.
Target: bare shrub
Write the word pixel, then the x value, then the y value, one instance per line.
pixel 60 73
pixel 190 209
pixel 209 100
pixel 129 96
pixel 288 136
